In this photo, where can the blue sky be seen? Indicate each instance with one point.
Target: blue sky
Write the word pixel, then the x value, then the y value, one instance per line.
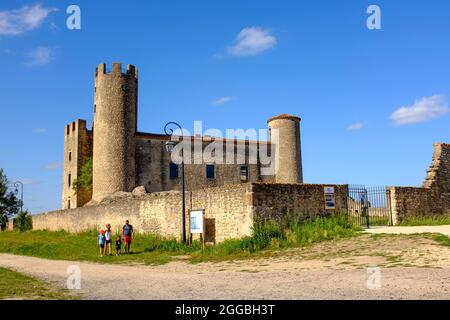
pixel 372 102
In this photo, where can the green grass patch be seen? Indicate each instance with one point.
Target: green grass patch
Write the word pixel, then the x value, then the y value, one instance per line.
pixel 15 285
pixel 426 221
pixel 150 249
pixel 442 239
pixel 274 235
pixel 147 249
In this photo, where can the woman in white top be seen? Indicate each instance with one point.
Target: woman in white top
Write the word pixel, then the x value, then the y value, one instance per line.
pixel 108 236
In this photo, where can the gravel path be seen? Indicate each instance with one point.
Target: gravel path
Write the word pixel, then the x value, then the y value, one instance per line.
pixel 181 280
pixel 411 267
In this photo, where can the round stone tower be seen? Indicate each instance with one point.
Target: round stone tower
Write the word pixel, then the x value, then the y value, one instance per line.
pixel 115 124
pixel 284 133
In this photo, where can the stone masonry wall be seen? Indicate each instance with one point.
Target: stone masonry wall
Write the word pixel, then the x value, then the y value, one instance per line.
pixel 230 210
pixel 152 164
pixel 433 198
pixel 301 200
pixel 227 211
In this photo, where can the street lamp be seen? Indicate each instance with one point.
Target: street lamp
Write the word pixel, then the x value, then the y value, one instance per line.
pixel 16 186
pixel 170 145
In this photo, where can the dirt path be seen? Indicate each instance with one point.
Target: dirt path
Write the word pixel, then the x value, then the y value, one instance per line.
pixel 411 267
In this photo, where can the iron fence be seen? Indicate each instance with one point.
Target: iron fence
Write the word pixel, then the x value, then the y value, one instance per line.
pixel 369 206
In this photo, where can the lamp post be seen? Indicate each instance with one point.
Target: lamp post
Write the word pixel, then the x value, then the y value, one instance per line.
pixel 16 186
pixel 170 145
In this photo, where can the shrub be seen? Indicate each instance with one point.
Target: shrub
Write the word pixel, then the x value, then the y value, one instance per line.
pixel 23 221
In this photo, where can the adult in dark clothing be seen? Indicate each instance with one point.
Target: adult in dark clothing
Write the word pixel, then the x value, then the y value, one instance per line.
pixel 127 234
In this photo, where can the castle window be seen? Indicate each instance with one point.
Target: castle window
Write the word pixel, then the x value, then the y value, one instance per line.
pixel 70 155
pixel 68 129
pixel 95 108
pixel 69 179
pixel 68 204
pixel 173 170
pixel 73 126
pixel 243 173
pixel 210 171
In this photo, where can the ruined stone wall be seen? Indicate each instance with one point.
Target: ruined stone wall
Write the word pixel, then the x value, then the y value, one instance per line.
pixel 433 198
pixel 227 211
pixel 77 148
pixel 295 200
pixel 438 174
pixel 412 202
pixel 230 210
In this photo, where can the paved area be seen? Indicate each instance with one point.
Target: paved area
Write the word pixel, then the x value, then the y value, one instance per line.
pixel 411 230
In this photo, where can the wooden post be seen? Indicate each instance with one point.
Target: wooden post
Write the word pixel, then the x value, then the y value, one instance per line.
pixel 203 231
pixel 189 227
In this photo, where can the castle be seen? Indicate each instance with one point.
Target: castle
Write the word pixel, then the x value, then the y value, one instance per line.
pixel 124 158
pixel 135 178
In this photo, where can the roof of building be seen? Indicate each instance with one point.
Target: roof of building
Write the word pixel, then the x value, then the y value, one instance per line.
pixel 284 116
pixel 164 137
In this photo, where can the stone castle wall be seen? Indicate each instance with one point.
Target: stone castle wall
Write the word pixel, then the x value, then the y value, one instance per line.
pixel 276 201
pixel 433 198
pixel 230 210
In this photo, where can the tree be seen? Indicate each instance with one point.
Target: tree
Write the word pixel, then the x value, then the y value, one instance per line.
pixel 23 221
pixel 9 203
pixel 84 181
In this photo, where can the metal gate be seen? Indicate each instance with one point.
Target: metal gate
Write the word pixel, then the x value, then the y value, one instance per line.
pixel 369 206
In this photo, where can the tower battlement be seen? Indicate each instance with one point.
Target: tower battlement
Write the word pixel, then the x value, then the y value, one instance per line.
pixel 75 126
pixel 116 70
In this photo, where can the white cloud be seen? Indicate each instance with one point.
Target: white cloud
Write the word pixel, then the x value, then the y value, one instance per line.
pixel 39 56
pixel 252 41
pixel 221 100
pixel 422 110
pixel 40 130
pixel 53 166
pixel 355 126
pixel 19 21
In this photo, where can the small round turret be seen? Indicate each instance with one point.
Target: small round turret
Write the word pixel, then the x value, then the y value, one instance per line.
pixel 285 135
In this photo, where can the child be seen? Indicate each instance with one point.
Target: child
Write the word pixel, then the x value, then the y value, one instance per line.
pixel 101 242
pixel 108 245
pixel 118 245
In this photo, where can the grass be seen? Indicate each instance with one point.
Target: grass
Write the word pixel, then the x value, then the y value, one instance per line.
pixel 15 285
pixel 151 249
pixel 60 245
pixel 426 221
pixel 274 235
pixel 442 239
